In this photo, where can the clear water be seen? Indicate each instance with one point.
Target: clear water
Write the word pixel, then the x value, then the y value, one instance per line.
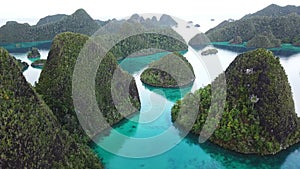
pixel 155 118
pixel 156 108
pixel 31 74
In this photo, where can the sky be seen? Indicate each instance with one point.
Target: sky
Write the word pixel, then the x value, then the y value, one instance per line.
pixel 198 11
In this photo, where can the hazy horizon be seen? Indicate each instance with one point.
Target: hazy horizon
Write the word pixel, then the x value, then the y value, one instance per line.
pixel 200 13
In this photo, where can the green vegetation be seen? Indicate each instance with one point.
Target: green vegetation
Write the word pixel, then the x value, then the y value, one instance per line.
pixel 14 32
pixel 33 53
pixel 55 84
pixel 31 136
pixel 265 40
pixel 259 115
pixel 209 52
pixel 199 41
pixel 145 41
pixel 78 22
pixel 284 50
pixel 25 46
pixel 236 40
pixel 23 65
pixel 297 43
pixel 274 10
pixel 170 71
pixel 39 63
pixel 283 25
pixel 51 19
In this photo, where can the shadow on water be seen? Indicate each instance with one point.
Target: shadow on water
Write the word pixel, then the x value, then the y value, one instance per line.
pixel 126 127
pixel 24 47
pixel 232 159
pixel 137 63
pixel 172 94
pixel 285 50
pixel 188 153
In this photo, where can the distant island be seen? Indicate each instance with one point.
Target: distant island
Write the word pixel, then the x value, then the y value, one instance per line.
pixel 266 28
pixel 199 41
pixel 33 53
pixel 271 27
pixel 79 22
pixel 209 52
pixel 161 73
pixel 48 27
pixel 259 115
pixel 39 63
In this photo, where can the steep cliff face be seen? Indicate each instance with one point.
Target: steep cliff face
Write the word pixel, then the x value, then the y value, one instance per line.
pixel 259 115
pixel 31 136
pixel 55 83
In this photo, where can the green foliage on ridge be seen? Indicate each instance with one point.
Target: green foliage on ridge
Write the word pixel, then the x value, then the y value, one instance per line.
pixel 274 10
pixel 39 63
pixel 33 53
pixel 51 19
pixel 145 41
pixel 282 23
pixel 31 136
pixel 78 22
pixel 170 71
pixel 55 83
pixel 259 115
pixel 265 40
pixel 23 65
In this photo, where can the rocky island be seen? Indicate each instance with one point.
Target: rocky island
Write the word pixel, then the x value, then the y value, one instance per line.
pixel 39 63
pixel 266 28
pixel 259 115
pixel 199 41
pixel 31 136
pixel 23 65
pixel 209 52
pixel 57 90
pixel 33 53
pixel 47 28
pixel 171 71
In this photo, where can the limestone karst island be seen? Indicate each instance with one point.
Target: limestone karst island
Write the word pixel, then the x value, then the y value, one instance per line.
pixel 87 88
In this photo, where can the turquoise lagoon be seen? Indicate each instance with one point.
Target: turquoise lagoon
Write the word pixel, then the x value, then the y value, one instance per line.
pixel 155 118
pixel 31 74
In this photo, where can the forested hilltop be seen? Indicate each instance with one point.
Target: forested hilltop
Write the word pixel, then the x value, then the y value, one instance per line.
pixel 268 28
pixel 259 115
pixel 79 22
pixel 55 84
pixel 138 36
pixel 46 29
pixel 161 73
pixel 31 136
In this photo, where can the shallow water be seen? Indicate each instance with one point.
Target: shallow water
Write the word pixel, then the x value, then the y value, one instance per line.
pixel 31 74
pixel 154 119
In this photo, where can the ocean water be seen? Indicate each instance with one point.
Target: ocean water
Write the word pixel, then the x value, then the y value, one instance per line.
pixel 31 74
pixel 154 120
